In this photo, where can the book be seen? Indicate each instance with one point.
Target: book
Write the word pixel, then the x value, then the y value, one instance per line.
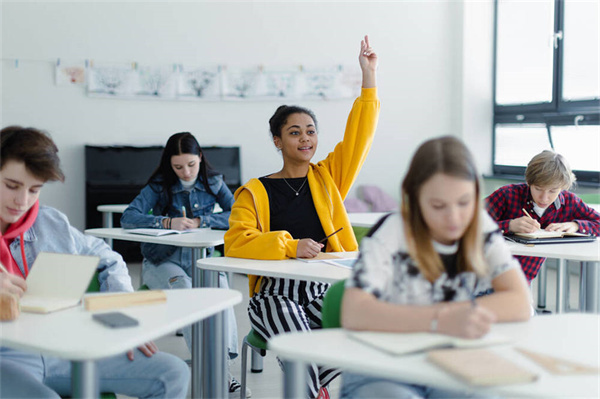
pixel 160 232
pixel 481 367
pixel 321 256
pixel 123 299
pixel 549 234
pixel 408 343
pixel 57 281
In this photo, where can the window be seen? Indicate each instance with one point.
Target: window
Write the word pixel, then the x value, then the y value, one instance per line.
pixel 547 85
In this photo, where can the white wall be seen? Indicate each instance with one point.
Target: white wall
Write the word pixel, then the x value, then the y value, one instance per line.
pixel 422 83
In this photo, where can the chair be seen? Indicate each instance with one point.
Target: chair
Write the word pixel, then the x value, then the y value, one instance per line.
pixel 332 305
pixel 259 347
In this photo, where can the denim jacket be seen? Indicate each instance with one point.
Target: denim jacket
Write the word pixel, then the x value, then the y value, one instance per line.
pixel 52 232
pixel 150 207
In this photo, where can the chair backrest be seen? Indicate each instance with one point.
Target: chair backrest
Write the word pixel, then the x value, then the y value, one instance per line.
pixel 94 284
pixel 332 304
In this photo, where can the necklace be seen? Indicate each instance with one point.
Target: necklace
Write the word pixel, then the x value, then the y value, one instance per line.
pixel 290 186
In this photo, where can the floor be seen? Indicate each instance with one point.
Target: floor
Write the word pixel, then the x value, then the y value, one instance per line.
pixel 268 384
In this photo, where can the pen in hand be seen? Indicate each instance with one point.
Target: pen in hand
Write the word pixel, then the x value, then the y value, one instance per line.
pixel 528 215
pixel 325 239
pixel 183 210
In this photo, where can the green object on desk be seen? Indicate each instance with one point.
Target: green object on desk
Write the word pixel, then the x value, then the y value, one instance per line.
pixel 332 305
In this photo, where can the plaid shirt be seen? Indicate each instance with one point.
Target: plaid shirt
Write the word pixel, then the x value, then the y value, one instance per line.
pixel 506 203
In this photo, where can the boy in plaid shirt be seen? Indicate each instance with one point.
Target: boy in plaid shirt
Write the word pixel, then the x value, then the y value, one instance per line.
pixel 546 199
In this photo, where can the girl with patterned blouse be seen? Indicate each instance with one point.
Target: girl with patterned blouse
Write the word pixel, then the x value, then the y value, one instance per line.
pixel 419 270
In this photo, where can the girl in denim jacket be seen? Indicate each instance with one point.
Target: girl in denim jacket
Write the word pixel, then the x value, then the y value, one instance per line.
pixel 181 194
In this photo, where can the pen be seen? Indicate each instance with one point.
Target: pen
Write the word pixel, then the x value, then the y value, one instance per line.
pixel 324 239
pixel 3 268
pixel 528 215
pixel 183 210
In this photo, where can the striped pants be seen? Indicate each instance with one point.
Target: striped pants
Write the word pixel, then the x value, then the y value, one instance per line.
pixel 284 305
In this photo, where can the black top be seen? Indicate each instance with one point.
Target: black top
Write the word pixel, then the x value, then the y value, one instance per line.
pixel 293 213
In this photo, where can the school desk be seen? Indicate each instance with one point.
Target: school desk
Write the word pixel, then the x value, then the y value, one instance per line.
pixel 588 253
pixel 198 242
pixel 365 219
pixel 72 334
pixel 572 337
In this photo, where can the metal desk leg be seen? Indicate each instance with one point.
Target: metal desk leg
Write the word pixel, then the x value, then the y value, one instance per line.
pixel 197 253
pixel 107 222
pixel 295 379
pixel 561 277
pixel 84 379
pixel 214 364
pixel 589 297
pixel 541 279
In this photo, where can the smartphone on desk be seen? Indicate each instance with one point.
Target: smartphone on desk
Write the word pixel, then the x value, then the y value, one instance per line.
pixel 115 320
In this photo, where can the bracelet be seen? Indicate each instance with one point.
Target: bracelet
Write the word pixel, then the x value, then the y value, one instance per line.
pixel 170 223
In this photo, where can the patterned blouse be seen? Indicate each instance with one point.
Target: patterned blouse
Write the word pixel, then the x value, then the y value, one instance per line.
pixel 385 270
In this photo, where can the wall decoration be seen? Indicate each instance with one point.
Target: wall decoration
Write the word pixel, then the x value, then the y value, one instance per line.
pixel 199 83
pixel 278 84
pixel 70 73
pixel 239 84
pixel 156 82
pixel 112 80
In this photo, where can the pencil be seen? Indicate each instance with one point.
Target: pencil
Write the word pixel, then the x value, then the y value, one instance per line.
pixel 183 210
pixel 528 215
pixel 324 239
pixel 2 268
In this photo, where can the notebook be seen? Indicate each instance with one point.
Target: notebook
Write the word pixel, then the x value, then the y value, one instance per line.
pixel 160 232
pixel 408 343
pixel 481 367
pixel 57 281
pixel 548 237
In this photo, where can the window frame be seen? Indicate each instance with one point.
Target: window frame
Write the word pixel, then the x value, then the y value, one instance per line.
pixel 558 112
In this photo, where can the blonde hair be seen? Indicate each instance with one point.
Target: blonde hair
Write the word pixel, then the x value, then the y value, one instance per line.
pixel 548 169
pixel 447 155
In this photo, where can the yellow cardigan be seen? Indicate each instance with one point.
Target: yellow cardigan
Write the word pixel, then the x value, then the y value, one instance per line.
pixel 330 180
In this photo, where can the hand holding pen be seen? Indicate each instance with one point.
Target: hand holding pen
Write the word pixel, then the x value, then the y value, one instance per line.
pixel 524 224
pixel 309 248
pixel 184 223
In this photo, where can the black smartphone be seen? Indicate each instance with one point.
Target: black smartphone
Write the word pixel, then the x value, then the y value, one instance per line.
pixel 115 319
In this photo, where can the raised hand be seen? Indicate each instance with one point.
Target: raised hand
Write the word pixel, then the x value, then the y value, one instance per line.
pixel 368 63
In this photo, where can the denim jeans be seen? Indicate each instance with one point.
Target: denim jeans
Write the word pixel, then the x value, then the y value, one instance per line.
pixel 174 273
pixel 160 376
pixel 356 386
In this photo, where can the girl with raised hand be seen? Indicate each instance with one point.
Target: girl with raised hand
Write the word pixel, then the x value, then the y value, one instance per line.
pixel 285 214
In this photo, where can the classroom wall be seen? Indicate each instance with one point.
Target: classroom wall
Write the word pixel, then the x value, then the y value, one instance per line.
pixel 434 76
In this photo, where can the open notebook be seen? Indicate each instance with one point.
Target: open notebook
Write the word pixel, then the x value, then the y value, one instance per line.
pixel 160 232
pixel 57 281
pixel 548 237
pixel 407 343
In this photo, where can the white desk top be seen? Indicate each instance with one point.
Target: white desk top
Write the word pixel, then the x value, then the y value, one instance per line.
pixel 289 268
pixel 201 239
pixel 543 334
pixel 581 251
pixel 365 219
pixel 72 334
pixel 112 208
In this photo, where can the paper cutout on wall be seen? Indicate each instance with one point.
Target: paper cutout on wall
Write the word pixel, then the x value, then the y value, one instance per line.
pixel 199 83
pixel 156 82
pixel 277 84
pixel 112 80
pixel 240 84
pixel 70 73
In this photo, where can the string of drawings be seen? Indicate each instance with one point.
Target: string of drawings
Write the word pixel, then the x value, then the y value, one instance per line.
pixel 213 83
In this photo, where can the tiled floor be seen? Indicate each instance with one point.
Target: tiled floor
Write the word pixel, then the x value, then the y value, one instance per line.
pixel 268 384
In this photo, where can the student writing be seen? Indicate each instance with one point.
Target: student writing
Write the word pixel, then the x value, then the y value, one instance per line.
pixel 285 214
pixel 29 159
pixel 181 194
pixel 418 270
pixel 546 198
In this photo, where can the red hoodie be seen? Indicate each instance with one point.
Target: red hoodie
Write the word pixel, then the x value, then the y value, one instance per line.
pixel 16 230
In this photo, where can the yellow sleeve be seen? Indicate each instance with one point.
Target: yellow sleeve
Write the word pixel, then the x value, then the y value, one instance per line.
pixel 246 237
pixel 346 160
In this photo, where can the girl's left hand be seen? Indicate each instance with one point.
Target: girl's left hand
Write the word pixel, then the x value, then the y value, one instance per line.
pixel 148 349
pixel 367 57
pixel 568 227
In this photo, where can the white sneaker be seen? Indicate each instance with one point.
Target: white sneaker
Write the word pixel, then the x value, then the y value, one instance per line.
pixel 235 387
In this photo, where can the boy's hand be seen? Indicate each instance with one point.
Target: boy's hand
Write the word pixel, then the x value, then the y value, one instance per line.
pixel 568 227
pixel 12 284
pixel 523 224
